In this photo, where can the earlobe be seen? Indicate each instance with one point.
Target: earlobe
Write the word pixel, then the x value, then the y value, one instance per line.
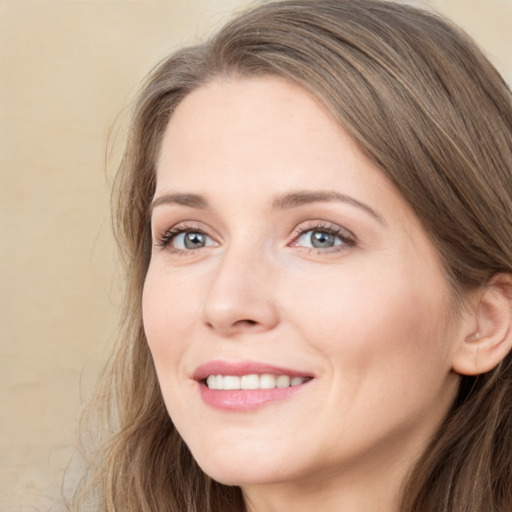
pixel 487 345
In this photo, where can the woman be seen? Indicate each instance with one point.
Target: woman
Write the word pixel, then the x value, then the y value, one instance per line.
pixel 315 208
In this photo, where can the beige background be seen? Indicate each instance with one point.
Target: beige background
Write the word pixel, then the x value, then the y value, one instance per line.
pixel 68 71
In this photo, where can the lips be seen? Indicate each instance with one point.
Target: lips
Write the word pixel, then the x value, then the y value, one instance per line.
pixel 247 385
pixel 244 368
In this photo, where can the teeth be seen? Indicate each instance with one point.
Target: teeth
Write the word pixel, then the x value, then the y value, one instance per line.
pixel 231 382
pixel 297 381
pixel 253 381
pixel 267 381
pixel 283 381
pixel 250 382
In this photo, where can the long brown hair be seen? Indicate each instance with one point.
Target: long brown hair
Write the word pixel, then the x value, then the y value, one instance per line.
pixel 427 107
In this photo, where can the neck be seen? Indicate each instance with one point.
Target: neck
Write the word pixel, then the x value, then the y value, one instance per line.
pixel 374 485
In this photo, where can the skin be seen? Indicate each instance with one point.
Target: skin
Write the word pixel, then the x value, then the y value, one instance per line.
pixel 369 317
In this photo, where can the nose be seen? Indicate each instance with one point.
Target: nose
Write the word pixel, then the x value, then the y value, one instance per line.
pixel 241 297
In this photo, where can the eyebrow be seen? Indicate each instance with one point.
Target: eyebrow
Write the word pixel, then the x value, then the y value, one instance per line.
pixel 284 202
pixel 190 200
pixel 304 197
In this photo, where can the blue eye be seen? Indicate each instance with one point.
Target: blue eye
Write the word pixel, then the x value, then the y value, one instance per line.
pixel 190 240
pixel 185 239
pixel 324 238
pixel 319 239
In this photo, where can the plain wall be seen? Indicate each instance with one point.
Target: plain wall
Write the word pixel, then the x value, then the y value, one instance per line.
pixel 68 71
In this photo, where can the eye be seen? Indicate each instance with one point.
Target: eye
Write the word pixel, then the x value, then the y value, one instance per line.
pixel 318 239
pixel 324 238
pixel 191 240
pixel 185 239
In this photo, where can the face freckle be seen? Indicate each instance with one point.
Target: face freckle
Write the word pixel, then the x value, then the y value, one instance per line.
pixel 359 312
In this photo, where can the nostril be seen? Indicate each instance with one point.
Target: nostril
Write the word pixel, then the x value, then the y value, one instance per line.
pixel 247 322
pixel 239 323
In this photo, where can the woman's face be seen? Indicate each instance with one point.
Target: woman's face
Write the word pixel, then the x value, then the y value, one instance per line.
pixel 286 264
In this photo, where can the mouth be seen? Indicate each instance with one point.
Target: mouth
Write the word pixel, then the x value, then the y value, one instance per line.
pixel 253 381
pixel 245 386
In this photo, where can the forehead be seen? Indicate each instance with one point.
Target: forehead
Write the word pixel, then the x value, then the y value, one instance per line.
pixel 252 129
pixel 251 110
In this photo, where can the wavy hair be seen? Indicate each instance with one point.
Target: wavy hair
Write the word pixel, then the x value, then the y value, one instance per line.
pixel 425 105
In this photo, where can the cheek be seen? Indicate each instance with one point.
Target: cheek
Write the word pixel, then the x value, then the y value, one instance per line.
pixel 167 315
pixel 366 324
pixel 387 355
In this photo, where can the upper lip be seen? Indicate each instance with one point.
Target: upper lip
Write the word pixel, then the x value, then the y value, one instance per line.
pixel 243 368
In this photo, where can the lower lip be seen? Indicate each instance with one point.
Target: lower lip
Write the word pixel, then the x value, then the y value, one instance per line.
pixel 243 400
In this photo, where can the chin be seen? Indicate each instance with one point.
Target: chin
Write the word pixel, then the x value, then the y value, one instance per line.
pixel 230 468
pixel 234 475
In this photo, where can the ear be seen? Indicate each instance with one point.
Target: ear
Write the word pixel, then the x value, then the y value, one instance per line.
pixel 490 339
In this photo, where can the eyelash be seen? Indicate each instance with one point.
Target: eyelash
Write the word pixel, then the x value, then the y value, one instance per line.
pixel 347 238
pixel 168 236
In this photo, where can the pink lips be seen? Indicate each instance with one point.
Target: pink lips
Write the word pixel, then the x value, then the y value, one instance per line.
pixel 242 368
pixel 244 400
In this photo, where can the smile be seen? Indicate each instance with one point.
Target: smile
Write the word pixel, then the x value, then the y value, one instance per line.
pixel 245 386
pixel 253 381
